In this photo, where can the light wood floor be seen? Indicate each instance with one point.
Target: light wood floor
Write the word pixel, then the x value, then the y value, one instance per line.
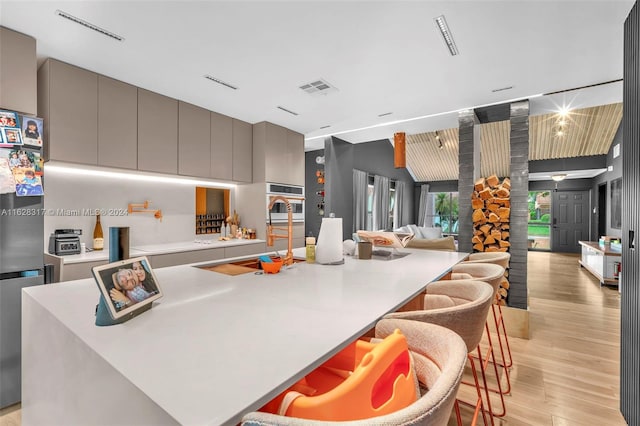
pixel 567 373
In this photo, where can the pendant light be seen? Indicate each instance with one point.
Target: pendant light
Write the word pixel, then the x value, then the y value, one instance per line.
pixel 399 150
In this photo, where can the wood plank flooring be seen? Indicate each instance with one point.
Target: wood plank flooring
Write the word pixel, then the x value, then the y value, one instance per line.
pixel 567 373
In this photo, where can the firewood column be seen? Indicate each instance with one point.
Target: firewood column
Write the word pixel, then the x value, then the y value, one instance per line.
pixel 491 210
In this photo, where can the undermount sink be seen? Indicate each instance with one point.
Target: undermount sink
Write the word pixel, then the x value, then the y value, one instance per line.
pixel 240 267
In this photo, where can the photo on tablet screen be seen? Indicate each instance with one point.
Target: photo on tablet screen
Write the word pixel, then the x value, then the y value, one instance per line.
pixel 127 285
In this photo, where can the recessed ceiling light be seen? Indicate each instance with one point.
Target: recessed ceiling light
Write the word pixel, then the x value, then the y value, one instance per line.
pixel 287 110
pixel 446 35
pixel 564 111
pixel 89 25
pixel 558 177
pixel 384 114
pixel 223 83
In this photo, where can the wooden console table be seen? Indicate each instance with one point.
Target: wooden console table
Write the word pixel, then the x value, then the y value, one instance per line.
pixel 601 261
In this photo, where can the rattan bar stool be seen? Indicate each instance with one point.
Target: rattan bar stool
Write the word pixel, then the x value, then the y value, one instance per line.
pixel 439 357
pixel 492 275
pixel 461 306
pixel 502 259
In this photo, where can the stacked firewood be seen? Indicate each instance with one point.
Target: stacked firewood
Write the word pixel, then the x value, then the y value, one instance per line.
pixel 491 209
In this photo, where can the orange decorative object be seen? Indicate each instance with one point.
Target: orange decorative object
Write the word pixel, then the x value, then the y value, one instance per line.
pixel 272 267
pixel 144 208
pixel 362 381
pixel 399 150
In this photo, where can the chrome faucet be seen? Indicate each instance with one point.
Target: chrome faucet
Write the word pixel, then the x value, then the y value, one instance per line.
pixel 271 236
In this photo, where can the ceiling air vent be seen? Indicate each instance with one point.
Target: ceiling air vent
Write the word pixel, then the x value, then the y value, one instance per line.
pixel 318 87
pixel 89 25
pixel 217 80
pixel 287 110
pixel 502 89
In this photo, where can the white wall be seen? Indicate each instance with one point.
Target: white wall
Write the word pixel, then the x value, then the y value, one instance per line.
pixel 72 192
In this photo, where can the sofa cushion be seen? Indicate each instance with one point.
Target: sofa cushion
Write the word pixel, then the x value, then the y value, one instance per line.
pixel 429 233
pixel 445 243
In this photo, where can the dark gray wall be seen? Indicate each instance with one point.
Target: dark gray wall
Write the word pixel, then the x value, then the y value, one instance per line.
pixel 312 219
pixel 630 314
pixel 565 185
pixel 574 163
pixel 606 178
pixel 375 158
pixel 338 168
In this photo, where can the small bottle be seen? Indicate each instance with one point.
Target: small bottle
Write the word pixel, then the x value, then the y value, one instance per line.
pixel 98 238
pixel 311 249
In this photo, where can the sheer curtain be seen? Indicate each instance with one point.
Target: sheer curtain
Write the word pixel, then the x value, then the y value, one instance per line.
pixel 359 200
pixel 380 203
pixel 398 207
pixel 425 206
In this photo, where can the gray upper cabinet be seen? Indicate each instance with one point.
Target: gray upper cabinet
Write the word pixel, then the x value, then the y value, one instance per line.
pixel 242 151
pixel 295 150
pixel 157 133
pixel 194 140
pixel 275 166
pixel 117 124
pixel 221 146
pixel 278 154
pixel 68 102
pixel 18 69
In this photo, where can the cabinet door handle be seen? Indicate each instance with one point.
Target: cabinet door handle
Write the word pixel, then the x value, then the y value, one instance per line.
pixel 631 239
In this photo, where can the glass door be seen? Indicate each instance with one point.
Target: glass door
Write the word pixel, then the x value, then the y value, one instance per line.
pixel 539 230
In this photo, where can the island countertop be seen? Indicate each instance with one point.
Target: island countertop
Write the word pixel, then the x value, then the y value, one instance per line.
pixel 215 346
pixel 159 248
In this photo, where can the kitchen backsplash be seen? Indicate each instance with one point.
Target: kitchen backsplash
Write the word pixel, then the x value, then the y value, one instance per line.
pixel 70 202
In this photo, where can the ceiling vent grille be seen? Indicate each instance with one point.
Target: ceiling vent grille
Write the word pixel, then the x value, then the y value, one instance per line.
pixel 223 83
pixel 502 89
pixel 89 25
pixel 318 87
pixel 287 110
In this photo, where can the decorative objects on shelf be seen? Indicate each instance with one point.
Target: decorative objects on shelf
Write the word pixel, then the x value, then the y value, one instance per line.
pixel 144 208
pixel 491 206
pixel 210 223
pixel 320 191
pixel 234 221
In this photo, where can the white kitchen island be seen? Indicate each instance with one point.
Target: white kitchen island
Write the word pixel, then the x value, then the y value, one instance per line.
pixel 213 348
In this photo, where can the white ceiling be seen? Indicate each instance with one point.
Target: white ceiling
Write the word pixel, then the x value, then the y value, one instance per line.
pixel 382 56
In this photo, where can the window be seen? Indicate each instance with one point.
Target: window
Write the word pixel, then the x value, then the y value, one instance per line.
pixel 392 201
pixel 539 228
pixel 444 211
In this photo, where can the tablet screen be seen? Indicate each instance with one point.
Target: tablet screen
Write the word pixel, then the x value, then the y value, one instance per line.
pixel 127 285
